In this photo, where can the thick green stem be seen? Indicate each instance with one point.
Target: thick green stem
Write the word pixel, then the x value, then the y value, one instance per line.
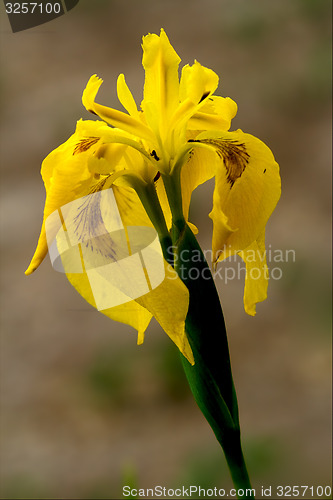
pixel 236 463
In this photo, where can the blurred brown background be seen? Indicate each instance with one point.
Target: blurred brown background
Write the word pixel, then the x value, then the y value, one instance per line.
pixel 83 409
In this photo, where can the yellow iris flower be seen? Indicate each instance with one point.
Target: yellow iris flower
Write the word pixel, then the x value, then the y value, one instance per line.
pixel 182 129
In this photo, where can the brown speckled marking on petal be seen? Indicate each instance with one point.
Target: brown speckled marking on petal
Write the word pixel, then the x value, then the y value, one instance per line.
pixel 85 144
pixel 234 156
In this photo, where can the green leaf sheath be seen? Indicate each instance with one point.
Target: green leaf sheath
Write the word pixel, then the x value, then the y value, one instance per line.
pixel 205 322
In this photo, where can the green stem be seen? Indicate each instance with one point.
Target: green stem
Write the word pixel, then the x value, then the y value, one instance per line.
pixel 210 378
pixel 237 467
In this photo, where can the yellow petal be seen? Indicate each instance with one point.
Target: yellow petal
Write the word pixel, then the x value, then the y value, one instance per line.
pixel 199 169
pixel 256 280
pixel 163 199
pixel 69 172
pixel 85 139
pixel 216 114
pixel 40 252
pixel 130 207
pixel 130 313
pixel 101 259
pixel 107 159
pixel 161 87
pixel 110 115
pixel 126 98
pixel 197 83
pixel 186 197
pixel 247 189
pixel 169 304
pixel 66 177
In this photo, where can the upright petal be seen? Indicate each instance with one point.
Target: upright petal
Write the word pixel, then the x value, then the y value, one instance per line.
pixel 126 98
pixel 197 83
pixel 216 114
pixel 161 88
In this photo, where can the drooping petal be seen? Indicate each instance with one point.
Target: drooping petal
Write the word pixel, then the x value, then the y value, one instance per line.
pixel 130 207
pixel 247 189
pixel 198 169
pixel 112 116
pixel 40 252
pixel 86 136
pixel 169 305
pixel 131 313
pixel 111 255
pixel 256 280
pixel 161 88
pixel 73 169
pixel 66 177
pixel 114 269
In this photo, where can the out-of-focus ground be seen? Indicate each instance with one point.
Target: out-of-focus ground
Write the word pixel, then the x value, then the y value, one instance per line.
pixel 83 409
